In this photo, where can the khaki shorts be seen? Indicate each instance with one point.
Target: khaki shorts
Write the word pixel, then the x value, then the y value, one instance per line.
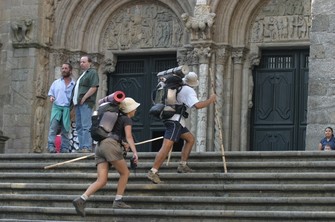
pixel 108 150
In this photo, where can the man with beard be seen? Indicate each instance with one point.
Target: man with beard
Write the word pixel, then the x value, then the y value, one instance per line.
pixel 60 97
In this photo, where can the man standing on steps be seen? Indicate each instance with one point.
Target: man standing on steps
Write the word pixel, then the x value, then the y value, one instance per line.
pixel 175 129
pixel 84 96
pixel 60 97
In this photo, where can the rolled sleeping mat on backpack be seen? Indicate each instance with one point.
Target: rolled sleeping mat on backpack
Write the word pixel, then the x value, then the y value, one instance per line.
pixel 115 97
pixel 180 71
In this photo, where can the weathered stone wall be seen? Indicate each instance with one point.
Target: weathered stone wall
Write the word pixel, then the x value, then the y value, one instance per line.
pixel 321 97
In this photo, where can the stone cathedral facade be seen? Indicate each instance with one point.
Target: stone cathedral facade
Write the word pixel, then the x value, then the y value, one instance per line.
pixel 230 44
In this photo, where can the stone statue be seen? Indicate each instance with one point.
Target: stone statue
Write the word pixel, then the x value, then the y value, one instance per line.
pixel 21 30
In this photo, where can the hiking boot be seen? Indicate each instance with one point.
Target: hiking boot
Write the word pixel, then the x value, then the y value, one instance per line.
pixel 79 204
pixel 120 204
pixel 85 150
pixel 184 169
pixel 154 177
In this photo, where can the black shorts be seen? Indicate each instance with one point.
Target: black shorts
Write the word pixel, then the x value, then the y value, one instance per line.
pixel 173 130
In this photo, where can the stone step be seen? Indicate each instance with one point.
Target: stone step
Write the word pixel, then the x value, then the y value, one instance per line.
pixel 223 190
pixel 233 167
pixel 246 156
pixel 177 178
pixel 107 214
pixel 176 202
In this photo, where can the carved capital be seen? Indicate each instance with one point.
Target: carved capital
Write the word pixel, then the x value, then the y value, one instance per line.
pixel 203 54
pixel 238 55
pixel 200 25
pixel 182 57
pixel 222 53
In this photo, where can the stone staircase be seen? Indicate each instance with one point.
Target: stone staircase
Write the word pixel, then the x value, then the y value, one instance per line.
pixel 259 186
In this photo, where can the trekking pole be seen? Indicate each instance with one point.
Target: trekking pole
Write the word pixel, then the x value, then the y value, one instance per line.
pixel 169 156
pixel 87 156
pixel 217 120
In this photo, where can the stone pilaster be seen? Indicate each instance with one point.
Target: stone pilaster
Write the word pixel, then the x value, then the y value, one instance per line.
pixel 203 54
pixel 238 55
pixel 221 122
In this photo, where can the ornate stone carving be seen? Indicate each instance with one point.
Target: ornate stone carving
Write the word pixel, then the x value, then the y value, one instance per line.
pixel 143 26
pixel 39 125
pixel 22 30
pixel 282 21
pixel 200 25
pixel 182 57
pixel 222 54
pixel 109 65
pixel 50 6
pixel 238 55
pixel 203 54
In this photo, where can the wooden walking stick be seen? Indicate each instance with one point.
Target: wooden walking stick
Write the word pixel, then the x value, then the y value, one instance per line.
pixel 217 120
pixel 87 156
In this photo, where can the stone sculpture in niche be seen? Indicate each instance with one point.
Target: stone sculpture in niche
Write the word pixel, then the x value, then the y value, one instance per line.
pixel 21 30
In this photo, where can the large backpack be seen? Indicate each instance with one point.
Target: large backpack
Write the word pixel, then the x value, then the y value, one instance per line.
pixel 104 119
pixel 164 98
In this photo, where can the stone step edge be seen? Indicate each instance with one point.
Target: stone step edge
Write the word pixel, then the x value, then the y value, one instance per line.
pixel 258 154
pixel 263 164
pixel 172 213
pixel 171 187
pixel 174 199
pixel 167 175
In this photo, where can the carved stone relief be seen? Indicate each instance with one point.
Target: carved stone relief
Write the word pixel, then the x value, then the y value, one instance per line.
pixel 146 25
pixel 283 20
pixel 22 30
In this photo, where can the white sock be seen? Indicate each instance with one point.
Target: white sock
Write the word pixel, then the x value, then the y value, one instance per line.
pixel 154 170
pixel 183 163
pixel 118 197
pixel 84 197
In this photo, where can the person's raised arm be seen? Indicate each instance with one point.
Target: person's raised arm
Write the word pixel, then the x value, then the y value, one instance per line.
pixel 205 103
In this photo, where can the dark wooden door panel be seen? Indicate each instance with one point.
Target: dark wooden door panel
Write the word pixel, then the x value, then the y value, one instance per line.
pixel 273 138
pixel 274 98
pixel 279 115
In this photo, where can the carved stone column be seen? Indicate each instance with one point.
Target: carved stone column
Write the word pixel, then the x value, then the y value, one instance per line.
pixel 221 111
pixel 203 53
pixel 238 55
pixel 247 104
pixel 108 67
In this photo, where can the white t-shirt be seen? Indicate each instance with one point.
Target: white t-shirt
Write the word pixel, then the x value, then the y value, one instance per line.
pixel 76 88
pixel 186 96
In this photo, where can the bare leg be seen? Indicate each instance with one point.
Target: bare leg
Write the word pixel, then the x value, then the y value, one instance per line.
pixel 187 148
pixel 122 168
pixel 102 170
pixel 163 153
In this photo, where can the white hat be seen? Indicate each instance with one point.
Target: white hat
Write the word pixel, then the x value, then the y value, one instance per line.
pixel 128 104
pixel 191 79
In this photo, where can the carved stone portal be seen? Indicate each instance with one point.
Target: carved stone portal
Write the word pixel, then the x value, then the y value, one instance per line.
pixel 143 26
